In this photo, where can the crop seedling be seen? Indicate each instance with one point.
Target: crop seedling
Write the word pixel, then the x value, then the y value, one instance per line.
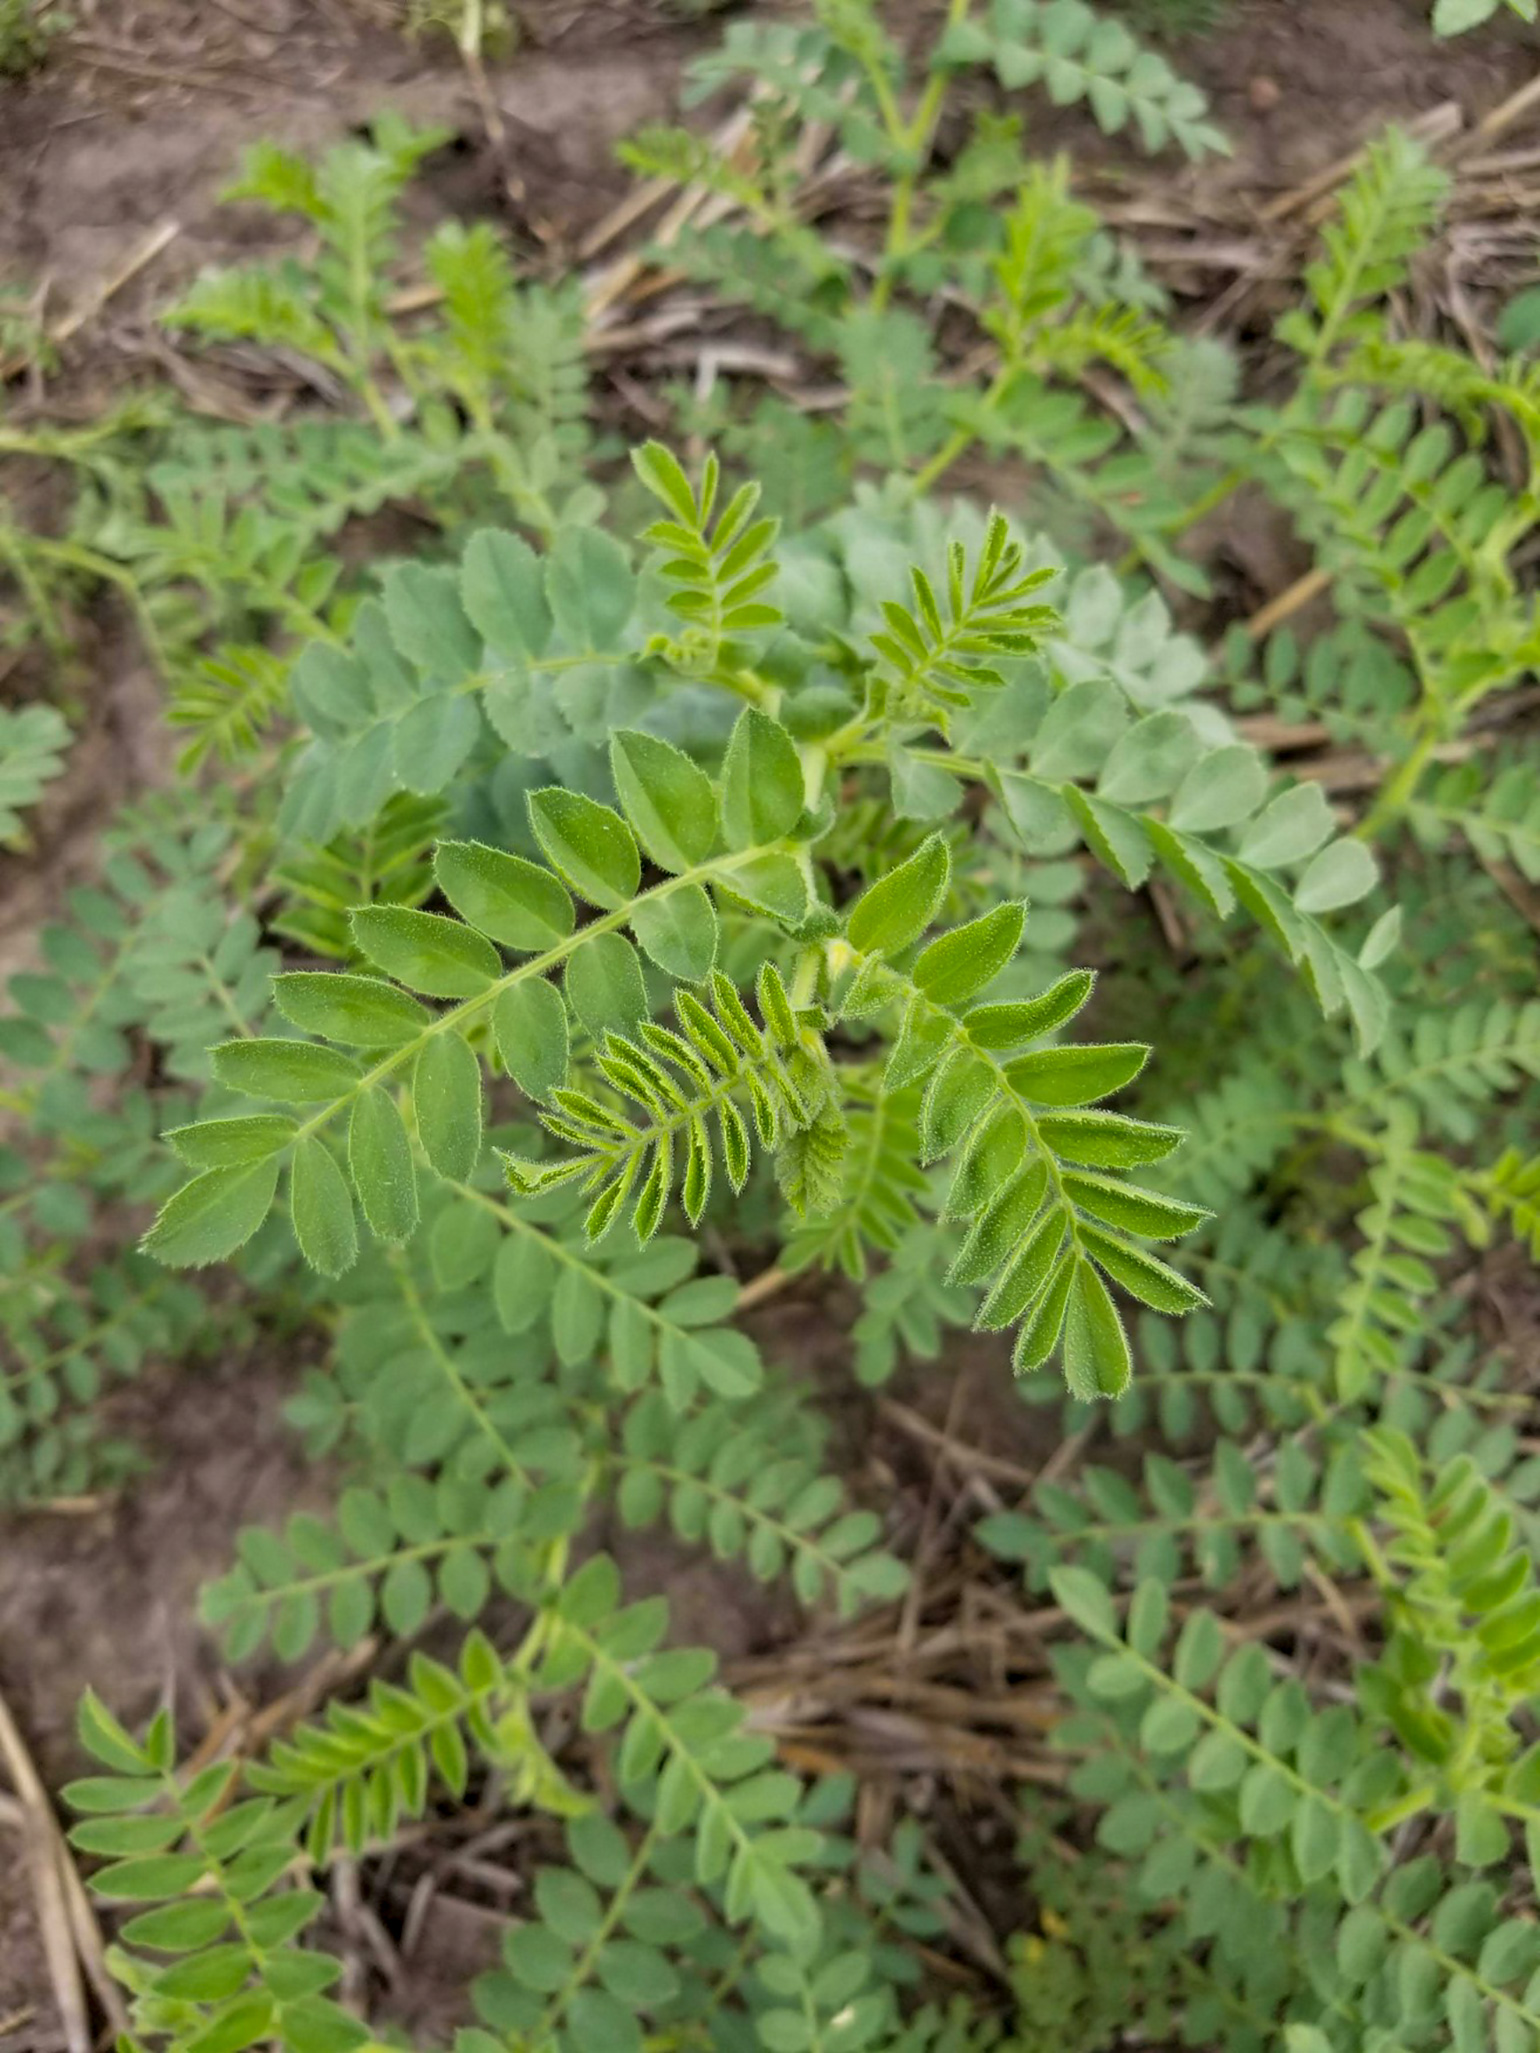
pixel 679 883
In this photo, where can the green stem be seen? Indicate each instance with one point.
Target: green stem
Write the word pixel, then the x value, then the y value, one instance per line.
pixel 444 1361
pixel 270 1594
pixel 14 554
pixel 1216 1719
pixel 583 1967
pixel 235 1901
pixel 1399 791
pixel 94 565
pixel 675 1742
pixel 913 139
pixel 957 444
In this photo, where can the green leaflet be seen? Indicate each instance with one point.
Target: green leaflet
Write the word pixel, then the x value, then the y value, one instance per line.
pixel 680 934
pixel 772 884
pixel 503 896
pixel 1143 1275
pixel 229 1143
pixel 427 952
pixel 1292 827
pixel 321 1209
pixel 1220 790
pixel 1108 1140
pixel 590 589
pixel 604 986
pixel 529 1023
pixel 957 966
pixel 1148 761
pixel 589 844
pixel 360 1012
pixel 502 589
pixel 761 782
pixel 1339 875
pixel 668 799
pixel 1096 1357
pixel 446 1096
pixel 1077 1076
pixel 209 1218
pixel 380 1160
pixel 1003 1027
pixel 293 1072
pixel 897 910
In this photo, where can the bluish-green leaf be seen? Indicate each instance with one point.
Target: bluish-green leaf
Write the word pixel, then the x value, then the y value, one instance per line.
pixel 1341 874
pixel 1292 827
pixel 502 588
pixel 427 621
pixel 591 588
pixel 1221 789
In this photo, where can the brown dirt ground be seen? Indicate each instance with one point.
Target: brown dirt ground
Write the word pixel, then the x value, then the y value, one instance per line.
pixel 140 119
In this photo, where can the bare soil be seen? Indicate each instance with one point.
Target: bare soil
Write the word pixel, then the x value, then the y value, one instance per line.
pixel 138 120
